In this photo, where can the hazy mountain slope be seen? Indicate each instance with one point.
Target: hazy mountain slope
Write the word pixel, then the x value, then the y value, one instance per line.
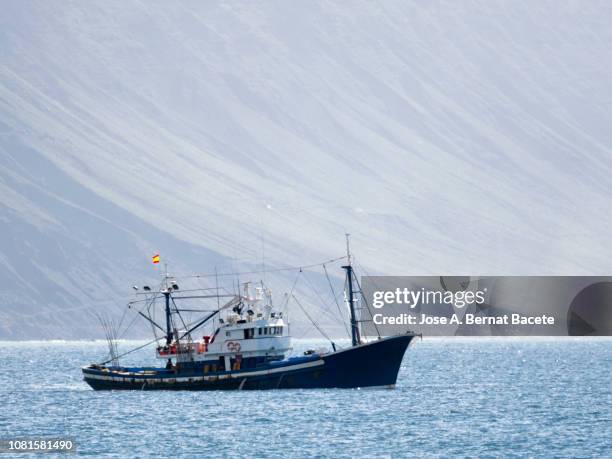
pixel 68 253
pixel 447 137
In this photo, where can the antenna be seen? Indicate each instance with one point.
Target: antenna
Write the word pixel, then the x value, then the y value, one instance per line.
pixel 348 248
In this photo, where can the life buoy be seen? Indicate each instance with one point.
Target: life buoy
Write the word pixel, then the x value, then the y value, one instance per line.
pixel 233 346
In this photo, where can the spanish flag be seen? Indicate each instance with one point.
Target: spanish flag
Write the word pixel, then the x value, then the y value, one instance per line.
pixel 156 258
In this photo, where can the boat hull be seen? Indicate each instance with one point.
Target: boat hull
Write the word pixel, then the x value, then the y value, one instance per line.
pixel 372 364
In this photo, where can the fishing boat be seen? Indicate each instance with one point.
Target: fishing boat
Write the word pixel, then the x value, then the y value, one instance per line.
pixel 249 347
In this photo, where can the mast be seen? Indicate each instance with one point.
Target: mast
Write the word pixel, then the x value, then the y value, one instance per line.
pixel 166 293
pixel 168 324
pixel 356 339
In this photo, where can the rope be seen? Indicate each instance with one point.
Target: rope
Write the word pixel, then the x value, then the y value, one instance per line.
pixel 311 320
pixel 362 268
pixel 129 326
pixel 147 305
pixel 336 301
pixel 323 302
pixel 284 308
pixel 130 351
pixel 182 321
pixel 292 268
pixel 305 333
pixel 367 307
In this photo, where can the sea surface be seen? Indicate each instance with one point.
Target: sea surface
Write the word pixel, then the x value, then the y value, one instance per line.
pixel 489 397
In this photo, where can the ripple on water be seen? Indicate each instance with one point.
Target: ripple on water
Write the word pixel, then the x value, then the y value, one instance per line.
pixel 453 398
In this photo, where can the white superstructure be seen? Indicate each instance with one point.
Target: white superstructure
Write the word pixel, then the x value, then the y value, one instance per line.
pixel 249 332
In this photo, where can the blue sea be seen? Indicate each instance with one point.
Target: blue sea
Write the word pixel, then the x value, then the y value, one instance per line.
pixel 463 397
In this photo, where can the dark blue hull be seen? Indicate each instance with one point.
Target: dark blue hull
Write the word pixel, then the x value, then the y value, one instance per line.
pixel 373 364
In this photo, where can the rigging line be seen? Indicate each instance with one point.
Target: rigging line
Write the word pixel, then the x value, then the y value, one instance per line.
pixel 130 351
pixel 153 324
pixel 214 326
pixel 151 321
pixel 129 326
pixel 367 306
pixel 106 327
pixel 236 300
pixel 147 306
pixel 200 318
pixel 306 332
pixel 180 317
pixel 190 324
pixel 145 300
pixel 362 268
pixel 311 320
pixel 191 297
pixel 181 291
pixel 288 297
pixel 151 314
pixel 292 268
pixel 149 301
pixel 320 298
pixel 217 288
pixel 336 301
pixel 345 296
pixel 197 289
pixel 99 317
pixel 115 344
pixel 122 317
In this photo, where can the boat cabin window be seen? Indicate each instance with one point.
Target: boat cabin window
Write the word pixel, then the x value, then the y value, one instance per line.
pixel 249 333
pixel 270 331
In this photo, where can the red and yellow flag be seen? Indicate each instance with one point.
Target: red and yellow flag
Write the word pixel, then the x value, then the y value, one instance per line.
pixel 156 258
